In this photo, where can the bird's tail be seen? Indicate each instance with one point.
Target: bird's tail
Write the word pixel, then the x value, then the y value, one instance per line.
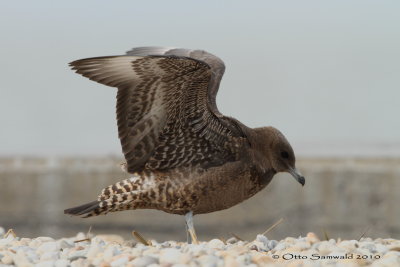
pixel 127 194
pixel 118 202
pixel 85 210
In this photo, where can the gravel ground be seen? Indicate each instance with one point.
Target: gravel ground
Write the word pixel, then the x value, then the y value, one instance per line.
pixel 113 250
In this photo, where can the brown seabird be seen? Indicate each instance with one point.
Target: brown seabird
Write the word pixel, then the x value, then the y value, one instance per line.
pixel 185 157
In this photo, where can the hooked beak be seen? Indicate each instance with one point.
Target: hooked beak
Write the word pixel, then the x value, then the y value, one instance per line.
pixel 297 175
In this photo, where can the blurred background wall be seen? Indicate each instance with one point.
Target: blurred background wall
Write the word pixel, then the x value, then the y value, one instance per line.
pixel 325 73
pixel 342 197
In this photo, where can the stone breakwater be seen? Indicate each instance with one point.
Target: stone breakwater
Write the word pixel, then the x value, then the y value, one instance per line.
pixel 113 251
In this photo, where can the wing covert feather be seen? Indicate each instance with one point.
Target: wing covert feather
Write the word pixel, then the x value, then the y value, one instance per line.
pixel 166 111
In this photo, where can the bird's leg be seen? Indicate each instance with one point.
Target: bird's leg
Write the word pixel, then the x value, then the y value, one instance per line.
pixel 190 227
pixel 188 238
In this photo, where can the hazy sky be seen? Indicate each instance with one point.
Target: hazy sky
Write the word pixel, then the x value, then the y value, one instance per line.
pixel 326 73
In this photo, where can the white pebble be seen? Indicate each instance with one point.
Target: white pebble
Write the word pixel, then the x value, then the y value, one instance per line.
pixel 216 244
pixel 7 241
pixel 48 246
pixel 63 243
pixel 369 246
pixel 7 259
pixel 262 238
pixel 381 249
pixel 20 259
pixel 180 265
pixel 272 244
pixel 61 263
pixel 110 252
pixel 209 260
pixel 280 246
pixel 49 255
pixel 43 239
pixel 349 245
pixel 79 263
pixel 80 236
pixel 170 255
pixel 302 245
pixel 119 262
pixel 389 260
pixel 144 261
pixel 93 251
pixel 45 264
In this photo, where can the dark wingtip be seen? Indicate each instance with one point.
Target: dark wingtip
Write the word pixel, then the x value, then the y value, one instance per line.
pixel 82 209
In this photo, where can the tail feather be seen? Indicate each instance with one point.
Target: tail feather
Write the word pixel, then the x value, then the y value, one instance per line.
pixel 123 195
pixel 85 209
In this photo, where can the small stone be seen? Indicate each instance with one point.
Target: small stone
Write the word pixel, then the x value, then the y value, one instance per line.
pixel 80 236
pixel 280 246
pixel 388 260
pixel 254 247
pixel 302 245
pixel 262 238
pixel 93 251
pixel 232 240
pixel 172 256
pixel 24 241
pixel 349 245
pixel 245 258
pixel 7 259
pixel 63 244
pixel 230 261
pixel 43 239
pixel 312 238
pixel 325 247
pixel 80 263
pixel 272 244
pixel 48 246
pixel 76 254
pixel 110 252
pixel 37 242
pixel 50 255
pixel 262 259
pixel 129 243
pixel 21 260
pixel 2 231
pixel 61 263
pixel 370 246
pixel 111 238
pixel 381 249
pixel 7 241
pixel 216 244
pixel 144 261
pixel 32 255
pixel 208 260
pixel 151 252
pixel 45 264
pixel 196 250
pixel 120 261
pixel 290 240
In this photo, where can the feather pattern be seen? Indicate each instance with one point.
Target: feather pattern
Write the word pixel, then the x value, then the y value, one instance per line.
pixel 166 111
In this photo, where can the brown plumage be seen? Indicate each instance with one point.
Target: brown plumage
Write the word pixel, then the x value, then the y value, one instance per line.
pixel 183 154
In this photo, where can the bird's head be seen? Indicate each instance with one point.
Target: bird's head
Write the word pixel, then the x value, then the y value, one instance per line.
pixel 274 151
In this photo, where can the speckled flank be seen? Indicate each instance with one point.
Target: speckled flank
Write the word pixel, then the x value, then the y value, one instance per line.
pixel 179 192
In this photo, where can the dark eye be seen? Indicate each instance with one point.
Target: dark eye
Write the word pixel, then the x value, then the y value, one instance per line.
pixel 284 155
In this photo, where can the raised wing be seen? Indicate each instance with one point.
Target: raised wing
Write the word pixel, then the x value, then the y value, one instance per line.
pixel 166 111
